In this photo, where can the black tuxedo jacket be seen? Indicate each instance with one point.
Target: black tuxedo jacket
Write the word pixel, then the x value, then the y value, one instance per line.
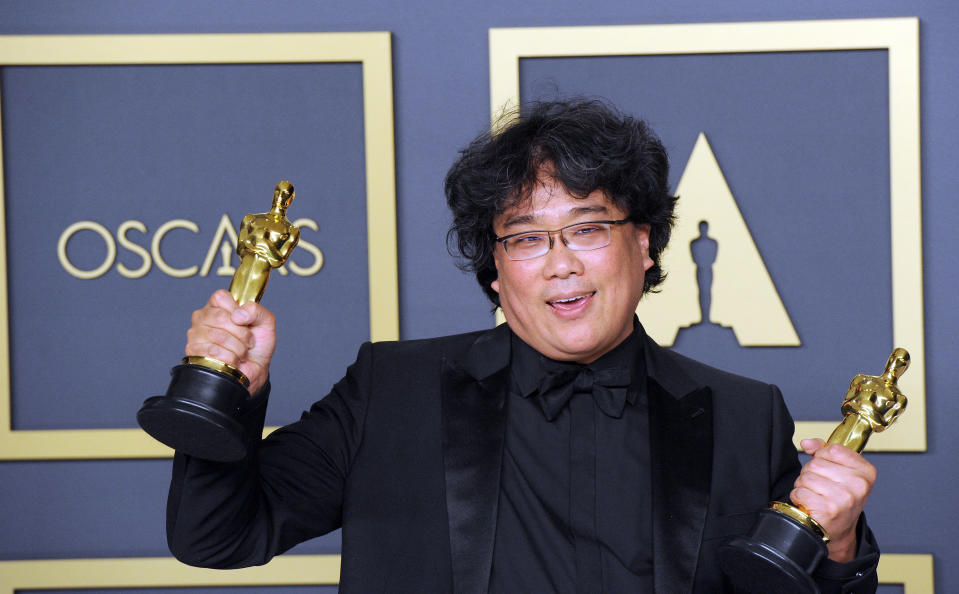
pixel 404 454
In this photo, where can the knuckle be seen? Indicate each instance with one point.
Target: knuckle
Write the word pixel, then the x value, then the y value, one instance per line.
pixel 223 354
pixel 217 336
pixel 844 500
pixel 193 339
pixel 830 507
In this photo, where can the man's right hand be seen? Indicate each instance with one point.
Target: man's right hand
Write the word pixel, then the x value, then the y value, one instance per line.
pixel 244 337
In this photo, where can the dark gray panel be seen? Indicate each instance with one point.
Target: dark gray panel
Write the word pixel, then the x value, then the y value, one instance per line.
pixel 153 144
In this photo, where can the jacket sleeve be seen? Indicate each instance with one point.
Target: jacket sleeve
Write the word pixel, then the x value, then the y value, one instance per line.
pixel 288 489
pixel 857 576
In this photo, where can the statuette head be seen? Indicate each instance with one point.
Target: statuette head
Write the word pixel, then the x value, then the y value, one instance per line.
pixel 283 195
pixel 897 364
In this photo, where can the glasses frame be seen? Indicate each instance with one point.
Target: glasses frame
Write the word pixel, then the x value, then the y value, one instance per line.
pixel 562 236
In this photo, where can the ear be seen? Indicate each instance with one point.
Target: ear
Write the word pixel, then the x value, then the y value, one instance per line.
pixel 642 238
pixel 495 284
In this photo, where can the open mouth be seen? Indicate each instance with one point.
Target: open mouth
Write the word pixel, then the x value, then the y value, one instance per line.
pixel 570 303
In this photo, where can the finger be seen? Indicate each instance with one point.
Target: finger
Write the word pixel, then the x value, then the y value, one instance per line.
pixel 840 454
pixel 814 484
pixel 215 351
pixel 215 318
pixel 829 486
pixel 241 317
pixel 837 463
pixel 837 510
pixel 223 300
pixel 256 315
pixel 808 500
pixel 833 521
pixel 212 331
pixel 827 499
pixel 810 446
pixel 838 473
pixel 209 341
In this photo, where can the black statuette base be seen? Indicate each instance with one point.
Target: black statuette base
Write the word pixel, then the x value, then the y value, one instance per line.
pixel 778 555
pixel 199 414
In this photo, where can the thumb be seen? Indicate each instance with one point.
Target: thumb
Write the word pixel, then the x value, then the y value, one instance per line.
pixel 254 315
pixel 811 446
pixel 241 317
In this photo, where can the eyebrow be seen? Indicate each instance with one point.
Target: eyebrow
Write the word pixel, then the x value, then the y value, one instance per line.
pixel 527 219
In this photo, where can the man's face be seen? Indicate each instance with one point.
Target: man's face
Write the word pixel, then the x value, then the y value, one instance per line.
pixel 571 305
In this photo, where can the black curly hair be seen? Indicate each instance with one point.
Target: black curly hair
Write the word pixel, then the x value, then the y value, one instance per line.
pixel 584 144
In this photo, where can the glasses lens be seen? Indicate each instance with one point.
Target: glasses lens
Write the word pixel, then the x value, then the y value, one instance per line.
pixel 587 236
pixel 527 245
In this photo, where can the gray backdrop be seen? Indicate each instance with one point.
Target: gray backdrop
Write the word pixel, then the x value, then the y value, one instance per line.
pixel 115 337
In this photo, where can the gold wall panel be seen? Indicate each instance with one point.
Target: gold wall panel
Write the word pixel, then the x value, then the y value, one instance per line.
pixel 914 572
pixel 372 50
pixel 163 572
pixel 898 36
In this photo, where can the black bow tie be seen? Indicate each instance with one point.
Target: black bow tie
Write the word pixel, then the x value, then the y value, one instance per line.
pixel 608 387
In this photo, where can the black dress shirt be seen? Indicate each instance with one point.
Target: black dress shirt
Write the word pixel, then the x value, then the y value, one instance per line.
pixel 574 512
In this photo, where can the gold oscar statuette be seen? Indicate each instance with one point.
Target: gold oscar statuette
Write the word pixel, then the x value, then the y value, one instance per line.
pixel 200 413
pixel 786 543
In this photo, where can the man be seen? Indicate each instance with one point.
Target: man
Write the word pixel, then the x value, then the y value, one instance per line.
pixel 561 452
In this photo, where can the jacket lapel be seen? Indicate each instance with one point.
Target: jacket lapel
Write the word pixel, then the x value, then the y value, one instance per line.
pixel 681 452
pixel 474 422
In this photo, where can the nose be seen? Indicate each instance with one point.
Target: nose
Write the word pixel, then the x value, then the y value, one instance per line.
pixel 560 261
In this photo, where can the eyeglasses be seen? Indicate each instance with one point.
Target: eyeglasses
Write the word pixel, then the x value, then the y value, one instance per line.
pixel 581 237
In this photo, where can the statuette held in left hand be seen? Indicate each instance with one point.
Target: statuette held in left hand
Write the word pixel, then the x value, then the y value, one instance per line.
pixel 786 544
pixel 201 411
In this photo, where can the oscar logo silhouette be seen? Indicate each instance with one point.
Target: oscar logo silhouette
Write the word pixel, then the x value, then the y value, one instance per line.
pixel 700 339
pixel 704 250
pixel 786 543
pixel 200 413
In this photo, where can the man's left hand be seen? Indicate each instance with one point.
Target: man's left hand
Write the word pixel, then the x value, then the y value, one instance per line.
pixel 833 488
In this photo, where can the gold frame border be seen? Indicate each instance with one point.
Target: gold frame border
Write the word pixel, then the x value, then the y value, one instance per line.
pixel 371 49
pixel 914 572
pixel 163 572
pixel 899 36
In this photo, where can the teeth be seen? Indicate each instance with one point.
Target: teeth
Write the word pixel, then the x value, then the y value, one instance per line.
pixel 571 299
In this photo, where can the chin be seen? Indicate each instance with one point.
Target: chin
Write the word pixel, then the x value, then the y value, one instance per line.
pixel 579 351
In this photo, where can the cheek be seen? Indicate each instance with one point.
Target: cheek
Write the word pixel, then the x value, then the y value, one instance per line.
pixel 515 280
